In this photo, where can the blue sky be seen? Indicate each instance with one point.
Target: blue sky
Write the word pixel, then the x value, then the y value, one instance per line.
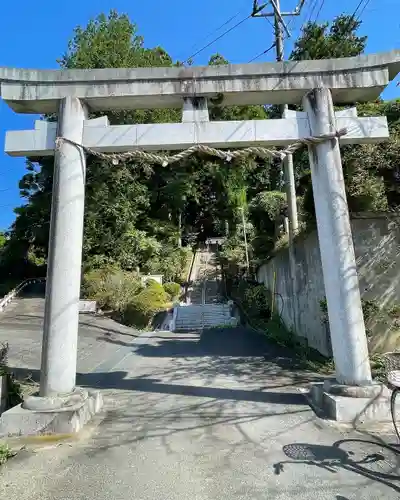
pixel 35 34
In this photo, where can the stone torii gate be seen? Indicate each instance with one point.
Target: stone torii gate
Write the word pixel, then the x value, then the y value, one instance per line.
pixel 74 93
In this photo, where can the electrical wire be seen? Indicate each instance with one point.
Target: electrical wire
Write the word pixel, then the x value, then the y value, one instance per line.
pixel 263 53
pixel 358 6
pixel 353 16
pixel 319 10
pixel 284 37
pixel 216 30
pixel 311 11
pixel 218 38
pixel 269 22
pixel 362 10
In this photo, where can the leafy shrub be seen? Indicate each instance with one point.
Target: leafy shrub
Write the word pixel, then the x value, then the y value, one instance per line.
pixel 269 203
pixel 111 287
pixel 257 300
pixel 173 290
pixel 254 297
pixel 154 284
pixel 14 391
pixel 5 453
pixel 3 355
pixel 142 308
pixel 172 263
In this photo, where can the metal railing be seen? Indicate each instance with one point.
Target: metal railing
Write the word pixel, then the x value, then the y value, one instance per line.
pixel 392 368
pixel 18 289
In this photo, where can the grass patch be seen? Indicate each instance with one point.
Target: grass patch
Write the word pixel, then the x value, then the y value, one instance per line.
pixel 378 368
pixel 253 300
pixel 14 390
pixel 5 453
pixel 306 357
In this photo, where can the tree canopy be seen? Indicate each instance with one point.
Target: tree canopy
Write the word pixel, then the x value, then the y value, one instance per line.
pixel 136 214
pixel 370 170
pixel 329 40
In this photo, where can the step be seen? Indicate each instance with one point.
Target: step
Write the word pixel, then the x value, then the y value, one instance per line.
pixel 203 313
pixel 200 323
pixel 204 318
pixel 199 310
pixel 188 316
pixel 199 319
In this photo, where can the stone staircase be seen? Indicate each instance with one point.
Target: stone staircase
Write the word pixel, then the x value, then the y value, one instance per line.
pixel 200 316
pixel 204 308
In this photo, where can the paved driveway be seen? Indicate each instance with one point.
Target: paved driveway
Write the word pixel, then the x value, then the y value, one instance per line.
pixel 21 326
pixel 219 415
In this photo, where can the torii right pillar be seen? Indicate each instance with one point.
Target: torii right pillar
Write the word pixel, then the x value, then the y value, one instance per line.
pixel 347 329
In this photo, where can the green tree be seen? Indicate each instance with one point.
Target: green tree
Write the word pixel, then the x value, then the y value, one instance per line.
pixel 370 185
pixel 133 210
pixel 329 40
pixel 116 197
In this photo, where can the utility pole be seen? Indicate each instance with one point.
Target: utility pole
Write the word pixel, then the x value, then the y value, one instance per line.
pixel 288 169
pixel 279 26
pixel 245 240
pixel 290 186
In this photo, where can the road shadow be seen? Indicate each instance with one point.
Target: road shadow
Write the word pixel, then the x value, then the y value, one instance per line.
pixel 238 342
pixel 121 380
pixel 108 330
pixel 219 377
pixel 227 352
pixel 210 358
pixel 373 460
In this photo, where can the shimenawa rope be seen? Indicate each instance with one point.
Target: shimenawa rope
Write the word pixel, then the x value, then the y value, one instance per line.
pixel 227 155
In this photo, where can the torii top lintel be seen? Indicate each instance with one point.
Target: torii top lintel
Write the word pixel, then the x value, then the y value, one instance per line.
pixel 351 79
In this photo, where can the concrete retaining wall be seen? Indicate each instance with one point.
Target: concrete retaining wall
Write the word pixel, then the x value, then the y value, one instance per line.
pixel 377 246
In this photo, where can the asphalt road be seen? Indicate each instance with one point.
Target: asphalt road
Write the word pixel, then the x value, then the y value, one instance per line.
pixel 213 416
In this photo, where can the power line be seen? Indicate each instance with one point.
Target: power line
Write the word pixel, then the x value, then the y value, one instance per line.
pixel 312 10
pixel 218 38
pixel 263 53
pixel 319 10
pixel 362 10
pixel 216 29
pixel 353 16
pixel 284 35
pixel 269 22
pixel 358 6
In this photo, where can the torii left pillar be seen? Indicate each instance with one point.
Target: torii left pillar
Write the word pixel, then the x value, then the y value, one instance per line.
pixel 61 320
pixel 60 335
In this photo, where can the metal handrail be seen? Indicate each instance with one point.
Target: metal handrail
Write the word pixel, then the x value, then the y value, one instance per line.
pixel 392 368
pixel 15 291
pixel 189 275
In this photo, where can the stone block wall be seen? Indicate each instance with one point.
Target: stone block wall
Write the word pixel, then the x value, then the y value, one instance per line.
pixel 376 240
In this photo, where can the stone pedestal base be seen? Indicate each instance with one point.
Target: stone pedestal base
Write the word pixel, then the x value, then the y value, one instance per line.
pixel 21 421
pixel 348 404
